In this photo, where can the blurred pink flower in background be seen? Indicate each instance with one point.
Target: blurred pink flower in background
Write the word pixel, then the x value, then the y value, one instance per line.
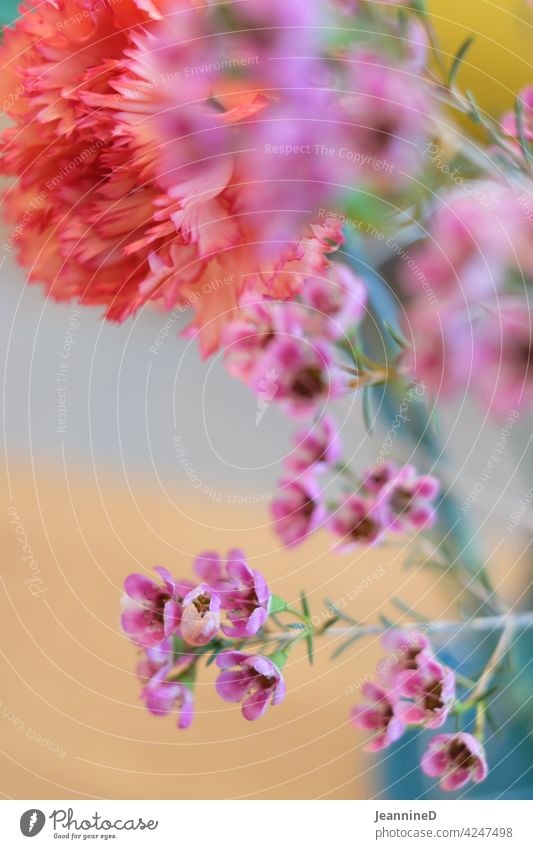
pixel 379 715
pixel 297 509
pixel 337 303
pixel 317 447
pixel 509 122
pixel 357 522
pixel 407 500
pixel 307 376
pixel 442 352
pixel 506 350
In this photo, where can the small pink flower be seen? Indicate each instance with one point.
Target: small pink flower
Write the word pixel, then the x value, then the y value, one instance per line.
pixel 442 354
pixel 156 657
pixel 409 649
pixel 509 123
pixel 200 618
pixel 257 325
pixel 388 108
pixel 379 715
pixel 297 510
pixel 318 447
pixel 432 688
pixel 505 346
pixel 163 697
pixel 252 678
pixel 456 759
pixel 306 374
pixel 337 303
pixel 407 500
pixel 357 521
pixel 243 591
pixel 375 478
pixel 153 611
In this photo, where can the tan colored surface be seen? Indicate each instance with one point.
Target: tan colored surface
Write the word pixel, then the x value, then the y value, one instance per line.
pixel 67 672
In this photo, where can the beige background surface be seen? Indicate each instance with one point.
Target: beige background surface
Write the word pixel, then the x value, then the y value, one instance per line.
pixel 67 671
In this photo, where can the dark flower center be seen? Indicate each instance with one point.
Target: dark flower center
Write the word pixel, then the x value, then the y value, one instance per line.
pixel 433 698
pixel 401 500
pixel 411 656
pixel 308 508
pixel 363 529
pixel 308 382
pixel 202 603
pixel 461 754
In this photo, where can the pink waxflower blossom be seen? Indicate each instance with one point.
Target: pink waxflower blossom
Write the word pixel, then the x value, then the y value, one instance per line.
pixel 163 697
pixel 162 655
pixel 509 123
pixel 456 759
pixel 375 478
pixel 475 238
pixel 337 303
pixel 442 355
pixel 388 107
pixel 306 375
pixel 152 612
pixel 297 510
pixel 505 347
pixel 256 326
pixel 407 500
pixel 432 689
pixel 243 591
pixel 409 649
pixel 252 679
pixel 200 618
pixel 357 522
pixel 317 447
pixel 380 715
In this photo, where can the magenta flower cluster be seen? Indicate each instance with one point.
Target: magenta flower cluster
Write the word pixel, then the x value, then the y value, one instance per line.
pixel 287 352
pixel 172 622
pixel 413 688
pixel 388 499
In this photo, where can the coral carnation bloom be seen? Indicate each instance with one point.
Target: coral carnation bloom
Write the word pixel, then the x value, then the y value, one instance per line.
pixel 127 189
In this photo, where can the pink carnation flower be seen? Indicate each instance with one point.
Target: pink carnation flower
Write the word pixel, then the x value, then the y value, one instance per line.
pixel 317 447
pixel 297 510
pixel 141 193
pixel 252 679
pixel 380 715
pixel 456 759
